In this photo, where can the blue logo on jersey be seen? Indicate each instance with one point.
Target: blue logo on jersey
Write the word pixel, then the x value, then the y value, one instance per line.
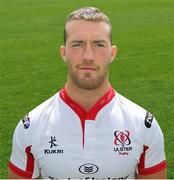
pixel 88 168
pixel 148 120
pixel 26 121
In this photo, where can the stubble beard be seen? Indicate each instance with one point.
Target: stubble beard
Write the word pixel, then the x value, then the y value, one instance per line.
pixel 88 82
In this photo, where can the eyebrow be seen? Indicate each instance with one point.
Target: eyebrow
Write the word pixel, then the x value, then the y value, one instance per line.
pixel 99 41
pixel 77 41
pixel 95 41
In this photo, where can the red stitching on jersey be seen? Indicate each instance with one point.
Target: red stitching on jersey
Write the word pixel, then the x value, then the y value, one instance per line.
pixel 18 171
pixel 30 160
pixel 29 166
pixel 153 169
pixel 92 113
pixel 141 165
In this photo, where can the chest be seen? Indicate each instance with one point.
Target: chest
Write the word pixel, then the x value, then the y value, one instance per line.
pixel 101 148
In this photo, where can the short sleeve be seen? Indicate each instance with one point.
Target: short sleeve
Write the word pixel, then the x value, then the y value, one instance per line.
pixel 22 161
pixel 152 159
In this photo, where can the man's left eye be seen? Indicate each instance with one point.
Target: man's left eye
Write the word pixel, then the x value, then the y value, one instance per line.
pixel 99 45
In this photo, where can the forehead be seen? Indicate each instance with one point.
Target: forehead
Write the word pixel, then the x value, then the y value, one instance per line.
pixel 81 29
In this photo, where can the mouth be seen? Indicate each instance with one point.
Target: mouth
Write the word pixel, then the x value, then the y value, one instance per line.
pixel 88 68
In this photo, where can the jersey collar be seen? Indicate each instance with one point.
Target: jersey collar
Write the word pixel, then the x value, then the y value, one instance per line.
pixel 92 113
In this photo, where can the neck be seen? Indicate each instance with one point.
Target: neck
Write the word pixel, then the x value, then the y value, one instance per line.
pixel 86 98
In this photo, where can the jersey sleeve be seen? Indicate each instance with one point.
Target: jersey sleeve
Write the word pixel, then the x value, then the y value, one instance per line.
pixel 22 161
pixel 152 159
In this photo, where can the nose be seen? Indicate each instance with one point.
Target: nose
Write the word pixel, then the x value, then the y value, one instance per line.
pixel 88 53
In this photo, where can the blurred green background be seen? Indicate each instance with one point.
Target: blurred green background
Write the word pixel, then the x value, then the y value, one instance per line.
pixel 31 70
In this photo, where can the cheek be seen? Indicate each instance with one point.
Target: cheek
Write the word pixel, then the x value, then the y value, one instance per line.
pixel 74 54
pixel 103 58
pixel 103 54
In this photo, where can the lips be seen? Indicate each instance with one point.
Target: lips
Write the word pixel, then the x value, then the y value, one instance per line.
pixel 88 68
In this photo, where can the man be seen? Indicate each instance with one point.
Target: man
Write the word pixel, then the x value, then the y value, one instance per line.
pixel 87 130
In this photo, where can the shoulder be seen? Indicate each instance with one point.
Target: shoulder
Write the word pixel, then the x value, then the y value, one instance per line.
pixel 36 119
pixel 44 108
pixel 130 108
pixel 142 123
pixel 136 114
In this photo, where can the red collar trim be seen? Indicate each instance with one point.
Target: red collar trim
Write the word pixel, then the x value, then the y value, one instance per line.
pixel 92 113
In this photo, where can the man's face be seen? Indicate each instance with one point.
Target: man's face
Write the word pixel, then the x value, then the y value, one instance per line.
pixel 88 53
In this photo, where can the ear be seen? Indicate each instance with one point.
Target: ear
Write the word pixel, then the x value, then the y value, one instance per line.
pixel 63 52
pixel 113 53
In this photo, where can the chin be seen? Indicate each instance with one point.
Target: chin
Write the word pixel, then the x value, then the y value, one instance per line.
pixel 88 85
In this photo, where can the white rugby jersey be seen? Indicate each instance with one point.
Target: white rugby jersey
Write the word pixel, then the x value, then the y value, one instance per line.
pixel 115 139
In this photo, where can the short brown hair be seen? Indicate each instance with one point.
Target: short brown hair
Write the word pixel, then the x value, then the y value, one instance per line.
pixel 88 14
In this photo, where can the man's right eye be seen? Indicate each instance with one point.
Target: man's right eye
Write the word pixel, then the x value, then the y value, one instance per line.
pixel 77 45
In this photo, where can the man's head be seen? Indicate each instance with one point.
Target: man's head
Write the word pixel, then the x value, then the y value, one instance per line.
pixel 88 14
pixel 88 51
